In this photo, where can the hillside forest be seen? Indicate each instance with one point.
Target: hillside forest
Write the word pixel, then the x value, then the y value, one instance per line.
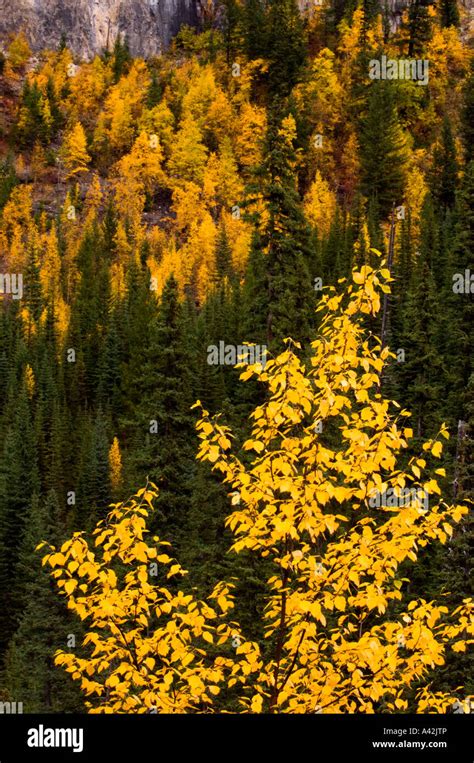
pixel 158 215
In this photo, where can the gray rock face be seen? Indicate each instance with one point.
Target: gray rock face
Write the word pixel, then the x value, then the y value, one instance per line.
pixel 90 24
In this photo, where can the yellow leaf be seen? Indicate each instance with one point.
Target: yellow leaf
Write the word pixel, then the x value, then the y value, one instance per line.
pixel 340 602
pixel 213 454
pixel 70 586
pixel 256 705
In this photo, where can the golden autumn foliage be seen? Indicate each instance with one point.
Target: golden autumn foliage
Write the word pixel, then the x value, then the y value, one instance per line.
pixel 129 670
pixel 115 464
pixel 74 151
pixel 142 164
pixel 188 153
pixel 320 204
pixel 335 640
pixel 29 379
pixel 117 122
pixel 18 51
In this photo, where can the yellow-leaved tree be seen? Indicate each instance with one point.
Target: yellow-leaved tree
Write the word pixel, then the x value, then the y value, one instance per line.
pixel 74 151
pixel 310 499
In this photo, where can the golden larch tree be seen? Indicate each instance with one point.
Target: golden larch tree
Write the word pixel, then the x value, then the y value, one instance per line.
pixel 74 151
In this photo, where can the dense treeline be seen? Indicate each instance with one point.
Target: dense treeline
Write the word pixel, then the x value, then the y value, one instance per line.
pixel 155 209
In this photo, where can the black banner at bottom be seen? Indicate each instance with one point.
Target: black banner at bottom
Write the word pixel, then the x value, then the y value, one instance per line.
pixel 100 738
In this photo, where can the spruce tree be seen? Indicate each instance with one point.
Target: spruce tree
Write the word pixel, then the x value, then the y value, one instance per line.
pixel 45 624
pixel 285 239
pixel 232 28
pixel 467 116
pixel 419 27
pixel 19 484
pixel 121 57
pixel 286 46
pixel 459 301
pixel 445 169
pixel 383 149
pixel 163 415
pixel 421 374
pixel 223 255
pixel 254 28
pixel 449 13
pixel 93 494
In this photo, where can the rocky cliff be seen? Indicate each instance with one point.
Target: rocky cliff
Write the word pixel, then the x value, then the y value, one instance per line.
pixel 89 24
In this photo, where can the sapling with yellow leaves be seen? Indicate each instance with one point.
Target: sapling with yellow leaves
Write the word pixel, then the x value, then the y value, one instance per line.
pixel 338 637
pixel 147 644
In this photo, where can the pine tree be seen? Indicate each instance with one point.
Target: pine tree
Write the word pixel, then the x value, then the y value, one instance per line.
pixel 286 46
pixel 165 453
pixel 419 27
pixel 254 28
pixel 449 13
pixel 45 624
pixel 429 246
pixel 383 150
pixel 232 28
pixel 8 179
pixel 421 373
pixel 30 126
pixel 93 490
pixel 255 293
pixel 223 256
pixel 109 392
pixel 33 296
pixel 467 116
pixel 121 57
pixel 445 169
pixel 459 301
pixel 89 314
pixel 285 238
pixel 155 91
pixel 19 483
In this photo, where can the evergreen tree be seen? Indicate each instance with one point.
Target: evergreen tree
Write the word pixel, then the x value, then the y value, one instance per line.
pixel 155 91
pixel 232 28
pixel 121 57
pixel 19 484
pixel 419 26
pixel 430 249
pixel 449 13
pixel 421 374
pixel 453 574
pixel 284 239
pixel 30 123
pixel 445 169
pixel 286 46
pixel 33 293
pixel 164 417
pixel 8 179
pixel 93 494
pixel 109 378
pixel 223 254
pixel 467 116
pixel 255 293
pixel 254 28
pixel 383 149
pixel 459 301
pixel 45 624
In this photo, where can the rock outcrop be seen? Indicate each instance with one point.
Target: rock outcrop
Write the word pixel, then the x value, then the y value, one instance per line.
pixel 89 25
